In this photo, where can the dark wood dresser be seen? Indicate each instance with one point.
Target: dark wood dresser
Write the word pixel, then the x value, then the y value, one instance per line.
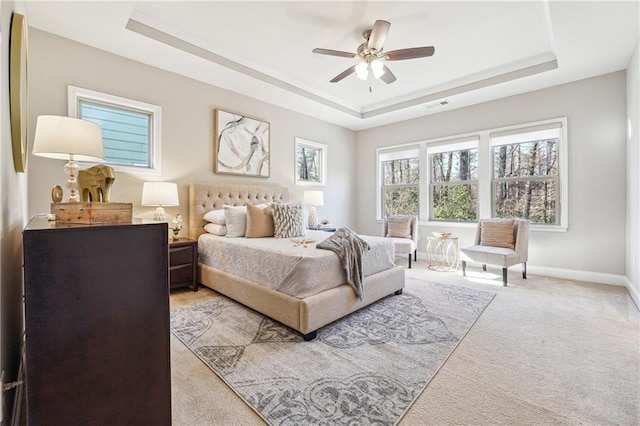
pixel 97 324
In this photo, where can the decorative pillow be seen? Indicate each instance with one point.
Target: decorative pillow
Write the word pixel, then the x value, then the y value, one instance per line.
pixel 259 221
pixel 214 228
pixel 399 226
pixel 288 221
pixel 215 216
pixel 236 219
pixel 497 233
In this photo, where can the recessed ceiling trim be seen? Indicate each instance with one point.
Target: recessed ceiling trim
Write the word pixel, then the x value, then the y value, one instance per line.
pixel 475 85
pixel 178 43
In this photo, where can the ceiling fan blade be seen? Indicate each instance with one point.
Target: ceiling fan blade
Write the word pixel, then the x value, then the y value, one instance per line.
pixel 411 53
pixel 378 35
pixel 343 74
pixel 334 53
pixel 388 76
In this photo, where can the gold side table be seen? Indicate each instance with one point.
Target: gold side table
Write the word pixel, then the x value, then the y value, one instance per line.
pixel 443 253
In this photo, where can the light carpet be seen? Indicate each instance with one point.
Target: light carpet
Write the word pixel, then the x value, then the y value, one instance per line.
pixel 368 367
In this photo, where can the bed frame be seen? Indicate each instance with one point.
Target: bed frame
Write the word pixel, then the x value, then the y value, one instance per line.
pixel 304 315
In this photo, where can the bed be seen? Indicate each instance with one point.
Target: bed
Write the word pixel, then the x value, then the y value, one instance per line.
pixel 304 311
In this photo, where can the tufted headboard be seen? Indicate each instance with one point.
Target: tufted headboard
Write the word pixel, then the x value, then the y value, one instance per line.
pixel 204 197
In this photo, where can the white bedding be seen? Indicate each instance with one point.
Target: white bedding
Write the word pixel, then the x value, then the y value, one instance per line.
pixel 294 270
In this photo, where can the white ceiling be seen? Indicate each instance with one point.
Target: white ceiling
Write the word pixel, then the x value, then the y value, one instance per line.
pixel 483 50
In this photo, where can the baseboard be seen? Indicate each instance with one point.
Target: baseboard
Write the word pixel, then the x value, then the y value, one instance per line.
pixel 635 296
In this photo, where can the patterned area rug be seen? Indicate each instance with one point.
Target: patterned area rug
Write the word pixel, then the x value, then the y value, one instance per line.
pixel 366 368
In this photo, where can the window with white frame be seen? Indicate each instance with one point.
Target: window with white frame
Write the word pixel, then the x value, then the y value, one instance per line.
pixel 518 171
pixel 453 181
pixel 399 176
pixel 525 177
pixel 130 129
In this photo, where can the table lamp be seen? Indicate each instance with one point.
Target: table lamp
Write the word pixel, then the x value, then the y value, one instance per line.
pixel 70 139
pixel 313 199
pixel 160 194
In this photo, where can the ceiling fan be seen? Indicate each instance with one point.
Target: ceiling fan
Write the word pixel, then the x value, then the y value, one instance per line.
pixel 371 56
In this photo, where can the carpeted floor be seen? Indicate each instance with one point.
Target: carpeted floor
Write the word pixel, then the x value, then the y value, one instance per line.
pixel 545 351
pixel 366 368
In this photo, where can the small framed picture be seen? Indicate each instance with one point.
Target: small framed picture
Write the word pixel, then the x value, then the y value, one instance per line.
pixel 311 162
pixel 241 145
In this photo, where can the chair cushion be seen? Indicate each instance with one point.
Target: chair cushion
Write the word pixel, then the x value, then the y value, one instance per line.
pixel 497 233
pixel 403 245
pixel 491 255
pixel 399 226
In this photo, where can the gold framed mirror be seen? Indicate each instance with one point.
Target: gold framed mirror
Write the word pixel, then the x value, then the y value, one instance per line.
pixel 18 90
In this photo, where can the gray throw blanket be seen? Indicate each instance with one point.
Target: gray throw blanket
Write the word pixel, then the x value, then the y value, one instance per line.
pixel 349 247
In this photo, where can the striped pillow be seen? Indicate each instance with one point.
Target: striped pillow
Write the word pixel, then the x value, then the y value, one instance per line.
pixel 497 233
pixel 287 220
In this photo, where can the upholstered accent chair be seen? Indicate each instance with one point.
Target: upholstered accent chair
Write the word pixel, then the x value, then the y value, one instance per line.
pixel 403 230
pixel 502 242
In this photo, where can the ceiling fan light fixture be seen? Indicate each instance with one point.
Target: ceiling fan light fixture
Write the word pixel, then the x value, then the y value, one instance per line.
pixel 377 68
pixel 362 70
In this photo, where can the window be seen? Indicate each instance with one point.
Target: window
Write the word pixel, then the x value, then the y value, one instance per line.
pixel 453 181
pixel 399 175
pixel 311 163
pixel 518 171
pixel 526 179
pixel 130 129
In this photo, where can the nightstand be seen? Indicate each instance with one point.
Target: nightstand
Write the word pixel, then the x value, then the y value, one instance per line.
pixel 183 261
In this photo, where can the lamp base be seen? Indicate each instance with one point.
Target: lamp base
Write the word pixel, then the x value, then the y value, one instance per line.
pixel 160 215
pixel 313 218
pixel 72 169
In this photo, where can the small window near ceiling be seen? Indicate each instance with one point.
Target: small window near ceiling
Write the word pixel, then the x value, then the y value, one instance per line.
pixel 130 129
pixel 526 178
pixel 400 178
pixel 453 181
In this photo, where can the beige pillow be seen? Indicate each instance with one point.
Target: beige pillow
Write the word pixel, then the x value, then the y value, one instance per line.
pixel 399 227
pixel 259 221
pixel 497 233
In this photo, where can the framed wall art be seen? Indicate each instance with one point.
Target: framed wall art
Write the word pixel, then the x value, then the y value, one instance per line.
pixel 241 145
pixel 311 162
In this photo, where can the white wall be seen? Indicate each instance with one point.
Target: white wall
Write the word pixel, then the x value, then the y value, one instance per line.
pixel 13 190
pixel 187 127
pixel 595 108
pixel 633 178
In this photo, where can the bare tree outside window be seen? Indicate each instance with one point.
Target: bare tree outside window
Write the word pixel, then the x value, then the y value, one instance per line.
pixel 400 194
pixel 526 181
pixel 311 160
pixel 454 185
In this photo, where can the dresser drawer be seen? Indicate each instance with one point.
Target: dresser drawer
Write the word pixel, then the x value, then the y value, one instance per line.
pixel 181 255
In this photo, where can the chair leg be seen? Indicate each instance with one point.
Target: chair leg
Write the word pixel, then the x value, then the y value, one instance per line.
pixel 504 277
pixel 464 268
pixel 415 255
pixel 409 260
pixel 484 267
pixel 524 270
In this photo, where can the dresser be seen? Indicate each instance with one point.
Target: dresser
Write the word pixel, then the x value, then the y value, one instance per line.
pixel 97 324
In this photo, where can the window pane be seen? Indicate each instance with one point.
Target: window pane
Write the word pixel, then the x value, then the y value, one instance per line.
pixel 125 133
pixel 404 171
pixel 537 158
pixel 455 202
pixel 454 165
pixel 309 164
pixel 401 201
pixel 530 199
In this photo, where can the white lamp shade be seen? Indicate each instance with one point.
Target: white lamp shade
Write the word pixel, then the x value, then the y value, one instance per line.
pixel 60 137
pixel 160 194
pixel 313 198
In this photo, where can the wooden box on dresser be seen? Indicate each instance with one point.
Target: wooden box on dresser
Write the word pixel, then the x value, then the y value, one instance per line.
pixel 97 324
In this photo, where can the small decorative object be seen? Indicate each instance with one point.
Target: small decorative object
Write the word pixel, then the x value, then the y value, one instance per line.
pixel 241 146
pixel 56 194
pixel 160 194
pixel 95 183
pixel 68 139
pixel 18 75
pixel 311 162
pixel 177 225
pixel 313 199
pixel 441 234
